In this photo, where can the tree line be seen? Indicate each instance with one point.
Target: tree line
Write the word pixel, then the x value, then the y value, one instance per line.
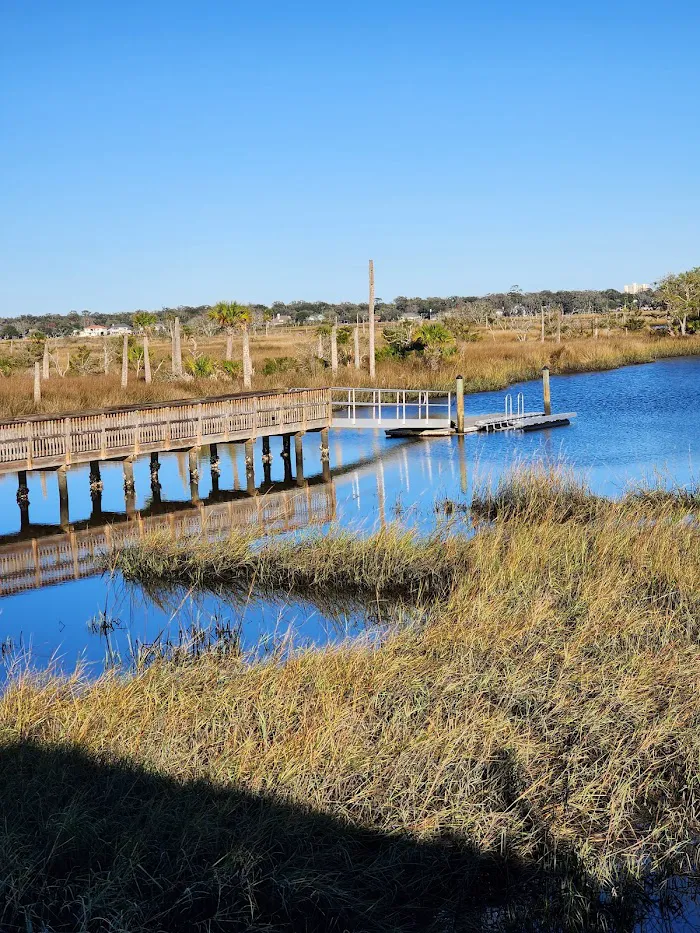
pixel 677 294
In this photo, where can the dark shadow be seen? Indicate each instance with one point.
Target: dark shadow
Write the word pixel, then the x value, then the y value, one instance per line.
pixel 88 845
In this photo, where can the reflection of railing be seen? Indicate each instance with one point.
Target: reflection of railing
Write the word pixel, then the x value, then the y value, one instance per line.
pixel 45 441
pixel 390 408
pixel 41 561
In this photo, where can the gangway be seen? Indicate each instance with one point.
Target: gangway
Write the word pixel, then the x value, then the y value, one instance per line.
pixel 409 410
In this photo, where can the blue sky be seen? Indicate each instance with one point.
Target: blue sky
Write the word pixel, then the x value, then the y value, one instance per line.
pixel 171 153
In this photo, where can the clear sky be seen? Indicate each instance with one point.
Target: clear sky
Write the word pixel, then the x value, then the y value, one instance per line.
pixel 162 153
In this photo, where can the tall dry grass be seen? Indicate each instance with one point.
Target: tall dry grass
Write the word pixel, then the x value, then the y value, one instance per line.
pixel 488 364
pixel 533 742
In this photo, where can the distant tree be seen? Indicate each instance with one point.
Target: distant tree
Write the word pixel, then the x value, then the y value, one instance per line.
pixel 231 316
pixel 9 331
pixel 680 294
pixel 144 322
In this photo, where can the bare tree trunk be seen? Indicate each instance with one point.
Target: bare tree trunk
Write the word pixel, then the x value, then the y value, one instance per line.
pixel 542 327
pixel 372 364
pixel 229 344
pixel 177 349
pixel 267 328
pixel 146 359
pixel 125 361
pixel 319 348
pixel 356 337
pixel 12 346
pixel 45 373
pixel 37 383
pixel 247 365
pixel 105 357
pixel 684 324
pixel 559 324
pixel 334 349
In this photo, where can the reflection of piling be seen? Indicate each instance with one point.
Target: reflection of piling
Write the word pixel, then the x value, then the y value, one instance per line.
pixel 460 405
pixel 299 457
pixel 545 391
pixel 214 467
pixel 381 494
pixel 62 479
pixel 462 454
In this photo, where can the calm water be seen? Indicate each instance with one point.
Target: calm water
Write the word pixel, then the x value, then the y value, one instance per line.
pixel 632 423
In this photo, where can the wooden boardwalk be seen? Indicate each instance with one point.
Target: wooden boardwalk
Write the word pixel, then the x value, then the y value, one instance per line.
pixel 50 441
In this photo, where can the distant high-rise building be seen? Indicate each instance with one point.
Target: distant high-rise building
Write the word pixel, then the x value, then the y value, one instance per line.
pixel 635 289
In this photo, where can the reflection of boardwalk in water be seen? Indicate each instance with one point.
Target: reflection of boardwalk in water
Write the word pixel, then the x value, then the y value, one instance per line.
pixel 42 555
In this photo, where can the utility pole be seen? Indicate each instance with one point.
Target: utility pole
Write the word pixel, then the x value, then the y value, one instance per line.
pixel 372 373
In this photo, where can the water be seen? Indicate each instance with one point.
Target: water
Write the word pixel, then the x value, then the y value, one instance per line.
pixel 632 423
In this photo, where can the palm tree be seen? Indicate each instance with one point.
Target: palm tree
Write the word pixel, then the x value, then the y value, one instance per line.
pixel 230 316
pixel 143 322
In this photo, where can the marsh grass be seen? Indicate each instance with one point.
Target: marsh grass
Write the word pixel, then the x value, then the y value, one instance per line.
pixel 524 759
pixel 489 364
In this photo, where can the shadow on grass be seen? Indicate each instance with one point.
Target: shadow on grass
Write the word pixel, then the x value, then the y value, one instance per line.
pixel 104 845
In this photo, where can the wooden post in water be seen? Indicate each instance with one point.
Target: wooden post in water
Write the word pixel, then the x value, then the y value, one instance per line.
pixel 325 456
pixel 129 486
pixel 545 391
pixel 193 460
pixel 356 338
pixel 372 366
pixel 266 460
pixel 125 361
pixel 334 349
pixel 250 467
pixel 287 457
pixel 460 405
pixel 46 360
pixel 37 383
pixel 23 497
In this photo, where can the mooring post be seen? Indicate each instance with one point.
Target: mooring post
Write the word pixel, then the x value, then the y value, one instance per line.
pixel 266 460
pixel 460 405
pixel 37 383
pixel 250 467
pixel 23 497
pixel 286 456
pixel 545 391
pixel 325 456
pixel 62 477
pixel 299 457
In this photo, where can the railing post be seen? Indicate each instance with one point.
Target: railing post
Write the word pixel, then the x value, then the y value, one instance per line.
pixel 30 445
pixel 103 436
pixel 547 398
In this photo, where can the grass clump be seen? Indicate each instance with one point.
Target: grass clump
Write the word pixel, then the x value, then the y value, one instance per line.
pixel 529 749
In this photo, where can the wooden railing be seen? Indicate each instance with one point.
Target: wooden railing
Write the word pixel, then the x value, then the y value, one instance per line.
pixel 35 562
pixel 49 441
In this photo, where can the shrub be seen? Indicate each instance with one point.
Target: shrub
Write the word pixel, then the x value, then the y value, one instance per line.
pixel 231 368
pixel 272 365
pixel 201 367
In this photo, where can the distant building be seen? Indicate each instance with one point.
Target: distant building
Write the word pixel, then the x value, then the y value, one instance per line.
pixel 635 289
pixel 101 330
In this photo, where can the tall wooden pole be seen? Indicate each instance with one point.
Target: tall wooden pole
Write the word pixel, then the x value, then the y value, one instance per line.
pixel 542 327
pixel 125 361
pixel 45 373
pixel 460 405
pixel 37 383
pixel 356 337
pixel 558 323
pixel 105 351
pixel 177 349
pixel 146 359
pixel 372 368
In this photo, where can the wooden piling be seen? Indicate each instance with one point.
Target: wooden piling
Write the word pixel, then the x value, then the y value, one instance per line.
pixel 250 467
pixel 460 405
pixel 62 478
pixel 545 391
pixel 299 457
